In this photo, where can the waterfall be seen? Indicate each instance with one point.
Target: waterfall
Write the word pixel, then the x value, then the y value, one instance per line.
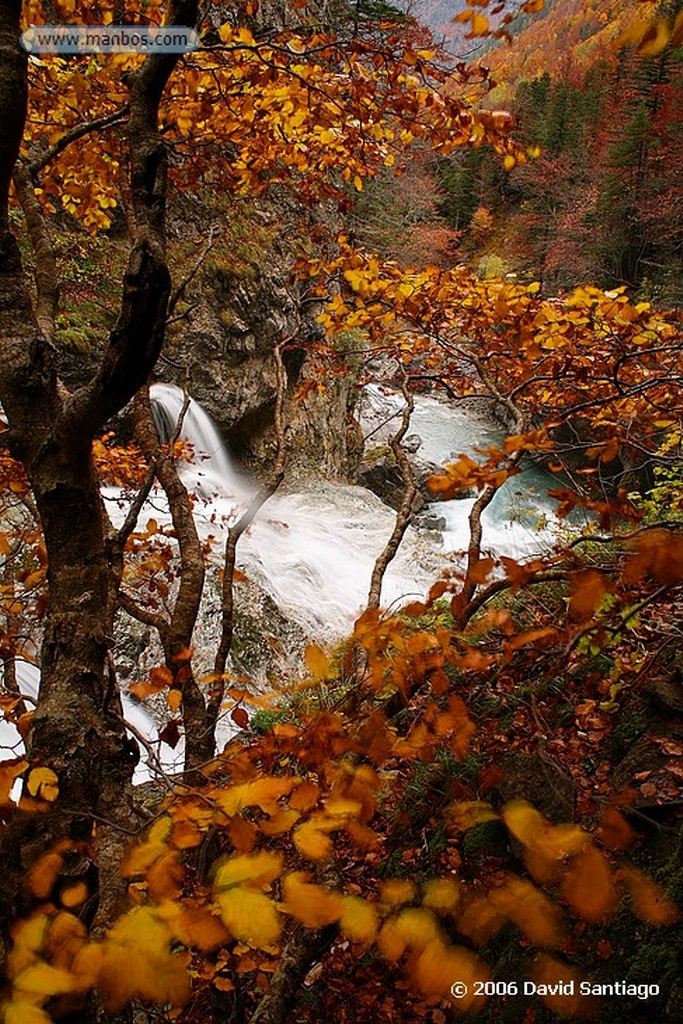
pixel 313 551
pixel 521 518
pixel 209 470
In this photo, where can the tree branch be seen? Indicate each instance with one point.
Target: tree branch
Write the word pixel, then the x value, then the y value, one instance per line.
pixel 198 746
pixel 235 532
pixel 41 160
pixel 405 511
pixel 47 278
pixel 136 339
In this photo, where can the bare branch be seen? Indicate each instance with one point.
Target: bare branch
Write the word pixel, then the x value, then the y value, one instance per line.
pixel 405 512
pixel 236 530
pixel 179 291
pixel 146 616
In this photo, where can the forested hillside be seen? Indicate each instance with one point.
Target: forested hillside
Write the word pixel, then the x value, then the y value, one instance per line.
pixel 602 201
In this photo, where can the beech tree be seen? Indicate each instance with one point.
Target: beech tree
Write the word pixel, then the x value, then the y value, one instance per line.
pixel 320 112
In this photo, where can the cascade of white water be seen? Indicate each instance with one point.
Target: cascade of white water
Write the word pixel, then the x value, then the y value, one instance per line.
pixel 313 551
pixel 520 519
pixel 209 470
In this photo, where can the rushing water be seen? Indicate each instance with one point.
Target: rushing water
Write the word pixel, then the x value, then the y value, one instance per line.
pixel 313 551
pixel 520 518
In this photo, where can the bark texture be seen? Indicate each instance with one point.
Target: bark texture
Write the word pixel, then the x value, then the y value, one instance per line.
pixel 76 729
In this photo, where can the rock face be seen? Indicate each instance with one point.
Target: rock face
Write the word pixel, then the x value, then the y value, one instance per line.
pixel 233 309
pixel 383 477
pixel 238 310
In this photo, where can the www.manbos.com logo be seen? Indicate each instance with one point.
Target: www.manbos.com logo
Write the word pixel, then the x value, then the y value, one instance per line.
pixel 109 39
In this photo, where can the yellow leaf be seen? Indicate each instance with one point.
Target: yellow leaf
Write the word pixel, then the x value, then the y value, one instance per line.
pixel 250 916
pixel 43 782
pixel 530 910
pixel 42 979
pixel 28 936
pixel 546 844
pixel 20 1012
pixel 391 943
pixel 317 662
pixel 417 927
pixel 397 891
pixel 358 183
pixel 263 793
pixel 252 869
pixel 309 903
pixel 480 25
pixel 87 964
pixel 439 967
pixel 358 921
pixel 654 39
pixel 165 876
pixel 140 858
pixel 509 162
pixel 311 838
pixel 66 938
pixel 650 902
pixel 441 894
pixel 280 822
pixel 174 698
pixel 135 961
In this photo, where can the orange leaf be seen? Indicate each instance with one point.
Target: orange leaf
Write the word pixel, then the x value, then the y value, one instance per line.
pixel 44 873
pixel 74 895
pixel 588 886
pixel 650 903
pixel 309 903
pixel 588 589
pixel 9 773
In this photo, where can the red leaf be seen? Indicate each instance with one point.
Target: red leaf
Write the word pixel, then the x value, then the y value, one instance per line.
pixel 170 734
pixel 240 717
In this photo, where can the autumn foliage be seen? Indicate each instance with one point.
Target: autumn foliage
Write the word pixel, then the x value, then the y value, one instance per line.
pixel 341 833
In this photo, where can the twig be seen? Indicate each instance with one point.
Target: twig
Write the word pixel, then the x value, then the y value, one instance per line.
pixel 405 511
pixel 143 741
pixel 631 613
pixel 235 532
pixel 178 292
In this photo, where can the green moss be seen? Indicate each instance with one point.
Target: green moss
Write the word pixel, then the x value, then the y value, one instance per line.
pixel 489 838
pixel 263 720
